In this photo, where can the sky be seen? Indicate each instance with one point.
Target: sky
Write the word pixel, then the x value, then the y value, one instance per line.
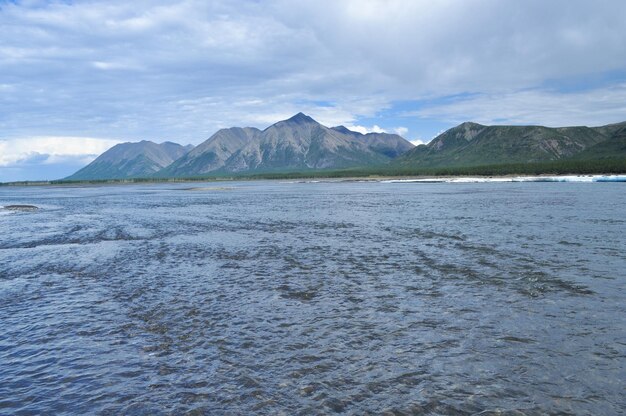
pixel 77 77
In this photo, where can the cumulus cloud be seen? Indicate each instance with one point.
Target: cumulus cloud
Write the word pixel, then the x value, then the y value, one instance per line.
pixel 401 131
pixel 51 150
pixel 365 130
pixel 127 67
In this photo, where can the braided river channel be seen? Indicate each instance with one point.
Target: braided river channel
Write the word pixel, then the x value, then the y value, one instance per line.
pixel 298 298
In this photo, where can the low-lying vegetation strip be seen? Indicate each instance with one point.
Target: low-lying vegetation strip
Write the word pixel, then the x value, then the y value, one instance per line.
pixel 563 167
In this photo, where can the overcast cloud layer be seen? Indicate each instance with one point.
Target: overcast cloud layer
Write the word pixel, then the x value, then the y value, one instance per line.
pixel 126 71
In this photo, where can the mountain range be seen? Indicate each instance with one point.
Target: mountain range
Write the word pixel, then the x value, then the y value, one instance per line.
pixel 299 143
pixel 472 144
pixel 302 144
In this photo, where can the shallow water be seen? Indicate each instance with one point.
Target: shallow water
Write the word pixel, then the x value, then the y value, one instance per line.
pixel 313 298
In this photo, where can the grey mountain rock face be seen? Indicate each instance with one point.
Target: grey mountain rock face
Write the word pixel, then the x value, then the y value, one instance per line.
pixel 212 154
pixel 299 143
pixel 131 160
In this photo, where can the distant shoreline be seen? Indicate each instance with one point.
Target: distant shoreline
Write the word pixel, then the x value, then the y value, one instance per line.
pixel 599 177
pixel 613 166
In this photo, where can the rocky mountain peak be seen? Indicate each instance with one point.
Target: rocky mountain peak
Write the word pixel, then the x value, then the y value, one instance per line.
pixel 299 119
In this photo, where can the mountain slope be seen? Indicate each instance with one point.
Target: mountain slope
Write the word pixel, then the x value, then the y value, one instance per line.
pixel 212 154
pixel 299 143
pixel 611 130
pixel 390 145
pixel 131 160
pixel 471 144
pixel 611 148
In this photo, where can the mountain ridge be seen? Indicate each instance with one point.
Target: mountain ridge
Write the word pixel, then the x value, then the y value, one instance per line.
pixel 131 160
pixel 297 143
pixel 302 144
pixel 473 144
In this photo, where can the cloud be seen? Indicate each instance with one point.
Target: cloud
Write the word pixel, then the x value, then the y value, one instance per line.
pixel 51 150
pixel 365 130
pixel 95 67
pixel 593 107
pixel 401 131
pixel 109 66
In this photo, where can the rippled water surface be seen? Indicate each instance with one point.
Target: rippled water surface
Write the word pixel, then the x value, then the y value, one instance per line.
pixel 314 298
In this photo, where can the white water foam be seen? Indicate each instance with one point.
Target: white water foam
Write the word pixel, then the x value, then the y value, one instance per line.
pixel 570 178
